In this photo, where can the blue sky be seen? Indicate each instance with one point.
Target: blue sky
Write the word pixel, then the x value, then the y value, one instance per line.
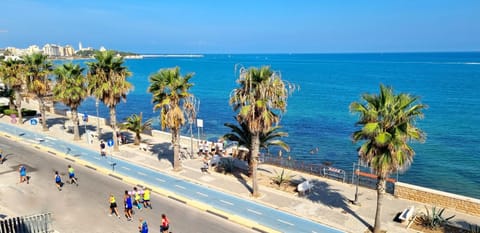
pixel 247 26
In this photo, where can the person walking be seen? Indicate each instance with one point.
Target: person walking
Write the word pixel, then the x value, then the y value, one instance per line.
pixel 71 175
pixel 146 198
pixel 113 206
pixel 58 181
pixel 23 174
pixel 127 202
pixel 165 224
pixel 103 152
pixel 143 226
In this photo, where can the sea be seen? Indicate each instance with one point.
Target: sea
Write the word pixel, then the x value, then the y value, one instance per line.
pixel 317 113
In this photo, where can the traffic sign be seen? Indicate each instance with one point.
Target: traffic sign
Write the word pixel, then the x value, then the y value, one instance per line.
pixel 33 121
pixel 110 142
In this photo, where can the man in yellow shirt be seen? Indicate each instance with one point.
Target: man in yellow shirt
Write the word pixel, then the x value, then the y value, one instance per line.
pixel 146 198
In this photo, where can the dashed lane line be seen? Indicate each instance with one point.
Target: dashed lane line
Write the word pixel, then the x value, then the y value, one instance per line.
pixel 226 202
pixel 141 173
pixel 159 179
pixel 202 194
pixel 253 211
pixel 126 168
pixel 285 222
pixel 178 186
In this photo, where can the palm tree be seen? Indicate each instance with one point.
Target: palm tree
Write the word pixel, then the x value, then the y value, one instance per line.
pixel 259 100
pixel 70 89
pixel 12 74
pixel 387 124
pixel 134 124
pixel 171 95
pixel 107 83
pixel 38 69
pixel 243 136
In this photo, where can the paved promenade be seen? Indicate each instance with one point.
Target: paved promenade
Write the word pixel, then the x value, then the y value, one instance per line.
pixel 329 203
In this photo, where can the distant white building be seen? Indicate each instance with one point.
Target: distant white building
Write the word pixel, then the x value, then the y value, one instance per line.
pixel 52 50
pixel 102 49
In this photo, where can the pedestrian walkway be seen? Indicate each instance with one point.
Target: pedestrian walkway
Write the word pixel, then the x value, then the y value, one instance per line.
pixel 228 196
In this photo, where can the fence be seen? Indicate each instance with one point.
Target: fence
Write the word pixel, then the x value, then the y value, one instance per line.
pixel 40 223
pixel 364 179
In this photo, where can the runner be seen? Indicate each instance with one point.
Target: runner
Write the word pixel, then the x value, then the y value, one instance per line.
pixel 71 175
pixel 143 226
pixel 137 198
pixel 23 174
pixel 146 198
pixel 127 203
pixel 58 181
pixel 113 206
pixel 165 224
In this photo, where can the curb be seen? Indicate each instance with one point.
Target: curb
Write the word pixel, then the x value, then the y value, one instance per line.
pixel 174 196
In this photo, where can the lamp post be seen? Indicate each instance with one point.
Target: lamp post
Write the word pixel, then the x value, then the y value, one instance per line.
pixel 98 120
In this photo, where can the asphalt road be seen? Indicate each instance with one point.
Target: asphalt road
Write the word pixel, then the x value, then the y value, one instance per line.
pixel 85 208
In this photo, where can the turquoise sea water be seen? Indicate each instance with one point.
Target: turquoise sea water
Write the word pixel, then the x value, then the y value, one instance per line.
pixel 318 116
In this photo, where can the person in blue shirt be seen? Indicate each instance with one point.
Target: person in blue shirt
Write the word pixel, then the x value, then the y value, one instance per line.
pixel 127 199
pixel 58 181
pixel 23 174
pixel 143 226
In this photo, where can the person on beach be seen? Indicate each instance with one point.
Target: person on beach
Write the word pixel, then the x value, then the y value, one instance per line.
pixel 165 224
pixel 113 206
pixel 143 226
pixel 71 175
pixel 23 174
pixel 146 198
pixel 103 153
pixel 58 181
pixel 127 203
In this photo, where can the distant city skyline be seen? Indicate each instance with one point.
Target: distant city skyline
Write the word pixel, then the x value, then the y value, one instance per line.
pixel 267 26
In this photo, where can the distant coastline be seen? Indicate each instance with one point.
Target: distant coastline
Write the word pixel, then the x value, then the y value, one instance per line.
pixel 172 55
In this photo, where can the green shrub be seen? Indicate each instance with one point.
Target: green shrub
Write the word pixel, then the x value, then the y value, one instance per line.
pixel 434 219
pixel 9 112
pixel 28 112
pixel 282 178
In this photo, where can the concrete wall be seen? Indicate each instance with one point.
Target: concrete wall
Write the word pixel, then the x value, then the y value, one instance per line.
pixel 438 198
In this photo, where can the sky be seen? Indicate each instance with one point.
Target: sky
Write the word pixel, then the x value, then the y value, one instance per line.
pixel 247 26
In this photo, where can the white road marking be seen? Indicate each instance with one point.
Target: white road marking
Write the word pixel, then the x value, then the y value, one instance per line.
pixel 226 202
pixel 126 168
pixel 159 179
pixel 178 186
pixel 96 158
pixel 202 194
pixel 289 223
pixel 50 138
pixel 314 232
pixel 253 211
pixel 141 173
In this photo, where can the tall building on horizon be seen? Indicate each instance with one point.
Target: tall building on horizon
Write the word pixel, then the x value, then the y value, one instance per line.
pixel 80 46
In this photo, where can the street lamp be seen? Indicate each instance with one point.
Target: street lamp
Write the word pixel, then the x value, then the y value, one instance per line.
pixel 192 115
pixel 98 120
pixel 355 202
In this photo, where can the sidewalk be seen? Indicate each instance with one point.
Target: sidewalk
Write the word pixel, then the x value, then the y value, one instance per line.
pixel 328 204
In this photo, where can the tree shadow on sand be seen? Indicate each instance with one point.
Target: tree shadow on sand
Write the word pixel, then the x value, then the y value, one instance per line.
pixel 324 194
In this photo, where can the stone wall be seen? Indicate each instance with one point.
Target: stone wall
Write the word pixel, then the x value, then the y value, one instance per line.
pixel 438 198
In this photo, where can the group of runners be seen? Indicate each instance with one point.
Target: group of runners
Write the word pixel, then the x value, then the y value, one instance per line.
pixel 22 170
pixel 138 198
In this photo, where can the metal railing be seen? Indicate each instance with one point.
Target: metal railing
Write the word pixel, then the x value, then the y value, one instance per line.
pixel 364 179
pixel 39 223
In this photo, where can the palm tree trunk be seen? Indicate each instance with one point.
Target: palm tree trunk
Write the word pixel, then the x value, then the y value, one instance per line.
pixel 380 194
pixel 254 163
pixel 18 103
pixel 42 111
pixel 76 132
pixel 113 124
pixel 177 166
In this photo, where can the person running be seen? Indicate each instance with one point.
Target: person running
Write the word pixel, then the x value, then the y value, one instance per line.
pixel 103 153
pixel 143 226
pixel 165 224
pixel 146 198
pixel 127 200
pixel 113 206
pixel 137 198
pixel 58 181
pixel 23 174
pixel 71 175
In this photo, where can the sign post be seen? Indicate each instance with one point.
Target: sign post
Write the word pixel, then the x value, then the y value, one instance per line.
pixel 199 125
pixel 110 144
